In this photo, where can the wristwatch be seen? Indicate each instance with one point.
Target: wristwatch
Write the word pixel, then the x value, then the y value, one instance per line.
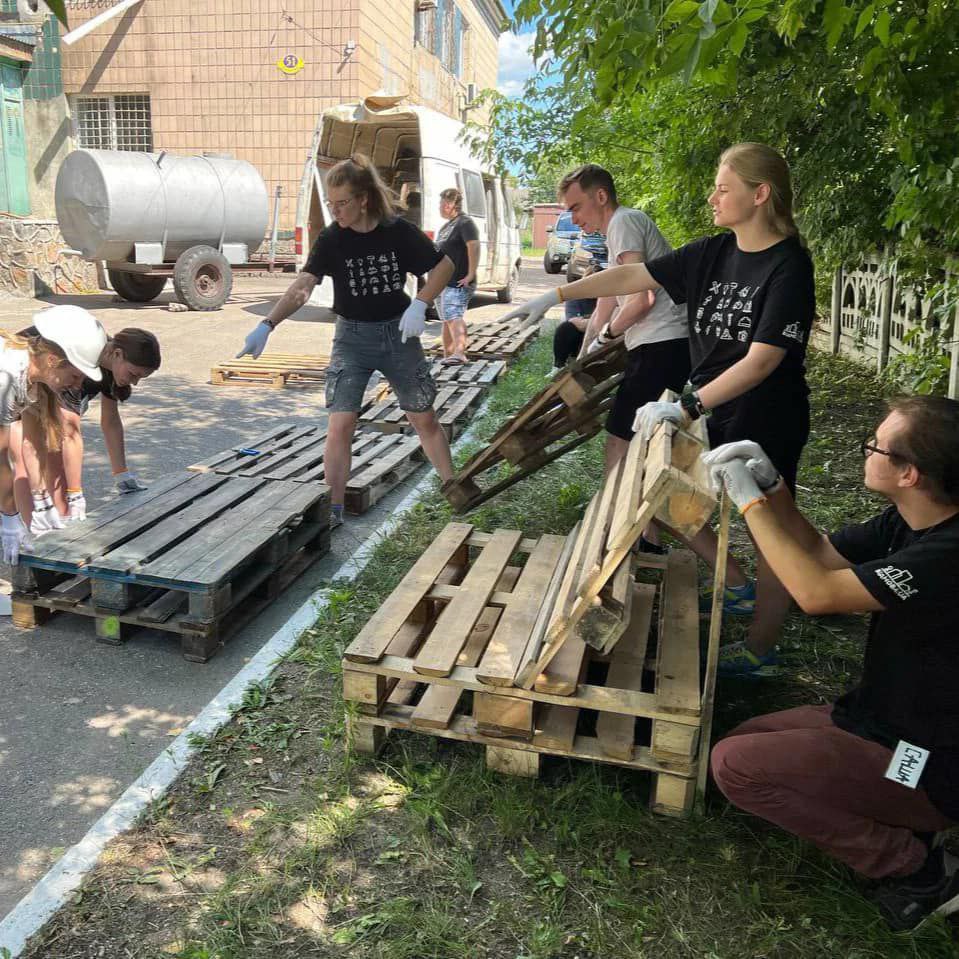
pixel 693 405
pixel 605 335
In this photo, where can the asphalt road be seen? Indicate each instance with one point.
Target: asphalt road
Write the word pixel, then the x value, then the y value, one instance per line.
pixel 80 721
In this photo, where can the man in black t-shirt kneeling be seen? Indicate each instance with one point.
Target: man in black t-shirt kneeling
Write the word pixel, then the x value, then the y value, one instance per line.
pixel 873 778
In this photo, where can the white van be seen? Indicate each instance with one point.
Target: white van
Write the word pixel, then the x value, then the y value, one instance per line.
pixel 419 153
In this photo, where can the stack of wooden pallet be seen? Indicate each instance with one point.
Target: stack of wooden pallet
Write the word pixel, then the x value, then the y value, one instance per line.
pixel 495 340
pixel 291 452
pixel 556 654
pixel 454 406
pixel 567 412
pixel 272 371
pixel 196 554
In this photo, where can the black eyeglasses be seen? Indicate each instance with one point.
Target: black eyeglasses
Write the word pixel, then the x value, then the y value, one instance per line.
pixel 868 446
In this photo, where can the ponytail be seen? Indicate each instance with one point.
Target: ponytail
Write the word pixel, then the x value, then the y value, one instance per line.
pixel 47 405
pixel 359 174
pixel 756 163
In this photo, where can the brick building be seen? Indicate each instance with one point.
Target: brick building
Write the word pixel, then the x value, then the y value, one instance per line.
pixel 250 77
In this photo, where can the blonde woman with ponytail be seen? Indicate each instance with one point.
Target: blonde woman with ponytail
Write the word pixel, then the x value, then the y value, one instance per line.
pixel 750 301
pixel 33 370
pixel 368 252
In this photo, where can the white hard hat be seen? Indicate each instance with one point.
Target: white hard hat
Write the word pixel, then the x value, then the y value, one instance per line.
pixel 77 332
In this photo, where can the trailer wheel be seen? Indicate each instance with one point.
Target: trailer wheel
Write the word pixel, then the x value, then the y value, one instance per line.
pixel 136 287
pixel 202 278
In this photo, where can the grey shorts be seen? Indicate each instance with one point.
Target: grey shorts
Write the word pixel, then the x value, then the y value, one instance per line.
pixel 361 347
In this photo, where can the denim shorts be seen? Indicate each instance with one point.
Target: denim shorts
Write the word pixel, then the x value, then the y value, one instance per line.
pixel 453 302
pixel 361 347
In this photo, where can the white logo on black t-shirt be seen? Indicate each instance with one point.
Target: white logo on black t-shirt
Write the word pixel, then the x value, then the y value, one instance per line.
pixel 898 581
pixel 793 332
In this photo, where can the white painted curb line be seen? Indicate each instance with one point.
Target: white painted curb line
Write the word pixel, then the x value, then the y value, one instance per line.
pixel 53 889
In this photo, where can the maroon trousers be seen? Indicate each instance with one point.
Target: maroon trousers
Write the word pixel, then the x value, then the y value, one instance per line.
pixel 799 770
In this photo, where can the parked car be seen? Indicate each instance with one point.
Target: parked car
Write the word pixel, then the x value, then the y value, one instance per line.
pixel 560 243
pixel 589 251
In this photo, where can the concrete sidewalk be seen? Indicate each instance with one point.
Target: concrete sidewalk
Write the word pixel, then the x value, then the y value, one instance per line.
pixel 80 721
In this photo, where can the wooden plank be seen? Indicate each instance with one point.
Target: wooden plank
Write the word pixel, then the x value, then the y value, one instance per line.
pixel 497 714
pixel 505 651
pixel 376 635
pixel 555 728
pixel 463 728
pixel 614 731
pixel 712 649
pixel 630 493
pixel 563 673
pixel 141 549
pixel 677 678
pixel 587 696
pixel 441 650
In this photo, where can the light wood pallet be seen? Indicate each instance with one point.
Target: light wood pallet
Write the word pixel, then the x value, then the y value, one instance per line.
pixel 196 554
pixel 272 371
pixel 472 647
pixel 454 406
pixel 380 461
pixel 566 413
pixel 496 340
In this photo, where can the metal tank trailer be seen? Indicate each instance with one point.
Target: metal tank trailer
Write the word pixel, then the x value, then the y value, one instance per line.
pixel 155 216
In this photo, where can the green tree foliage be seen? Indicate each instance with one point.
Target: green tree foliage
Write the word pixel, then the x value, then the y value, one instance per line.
pixel 860 96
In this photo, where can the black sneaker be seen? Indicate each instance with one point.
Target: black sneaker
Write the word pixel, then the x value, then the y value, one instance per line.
pixel 908 901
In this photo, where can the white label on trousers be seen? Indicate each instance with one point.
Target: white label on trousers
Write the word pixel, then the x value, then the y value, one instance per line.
pixel 907 764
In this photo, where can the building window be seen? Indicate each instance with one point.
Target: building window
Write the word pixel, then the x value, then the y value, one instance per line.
pixel 440 27
pixel 120 122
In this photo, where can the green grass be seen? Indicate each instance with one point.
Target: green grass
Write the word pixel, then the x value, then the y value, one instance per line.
pixel 277 842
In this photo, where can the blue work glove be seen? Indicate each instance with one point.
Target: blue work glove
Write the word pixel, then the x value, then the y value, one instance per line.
pixel 753 455
pixel 650 415
pixel 256 340
pixel 413 320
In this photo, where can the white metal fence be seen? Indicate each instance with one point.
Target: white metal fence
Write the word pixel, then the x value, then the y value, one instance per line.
pixel 872 315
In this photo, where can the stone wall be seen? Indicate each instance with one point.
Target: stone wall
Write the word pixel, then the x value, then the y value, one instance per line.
pixel 31 263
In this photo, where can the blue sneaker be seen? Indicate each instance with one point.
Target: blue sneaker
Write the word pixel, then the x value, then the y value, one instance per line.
pixel 736 660
pixel 737 600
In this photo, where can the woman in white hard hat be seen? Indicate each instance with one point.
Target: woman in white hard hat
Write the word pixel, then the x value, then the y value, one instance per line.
pixel 32 371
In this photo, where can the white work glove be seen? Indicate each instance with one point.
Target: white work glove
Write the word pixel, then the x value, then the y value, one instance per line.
pixel 255 342
pixel 76 507
pixel 753 455
pixel 13 534
pixel 650 415
pixel 603 337
pixel 413 320
pixel 739 482
pixel 127 482
pixel 534 309
pixel 45 517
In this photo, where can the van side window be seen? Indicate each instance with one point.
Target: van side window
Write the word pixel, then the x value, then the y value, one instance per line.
pixel 475 194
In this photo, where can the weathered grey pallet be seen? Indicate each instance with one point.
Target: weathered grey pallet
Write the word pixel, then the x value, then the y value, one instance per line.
pixel 199 534
pixel 380 461
pixel 482 373
pixel 168 610
pixel 496 340
pixel 454 406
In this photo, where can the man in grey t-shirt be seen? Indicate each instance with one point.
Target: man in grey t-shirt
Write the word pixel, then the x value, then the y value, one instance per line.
pixel 655 327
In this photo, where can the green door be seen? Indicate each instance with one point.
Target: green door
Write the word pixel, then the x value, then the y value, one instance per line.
pixel 15 196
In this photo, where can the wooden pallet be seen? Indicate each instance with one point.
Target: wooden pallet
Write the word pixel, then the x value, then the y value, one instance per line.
pixel 495 340
pixel 272 371
pixel 454 406
pixel 482 373
pixel 203 543
pixel 664 480
pixel 566 413
pixel 380 461
pixel 438 654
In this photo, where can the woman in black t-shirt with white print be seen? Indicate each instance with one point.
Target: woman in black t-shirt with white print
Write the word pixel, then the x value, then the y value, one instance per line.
pixel 368 251
pixel 750 299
